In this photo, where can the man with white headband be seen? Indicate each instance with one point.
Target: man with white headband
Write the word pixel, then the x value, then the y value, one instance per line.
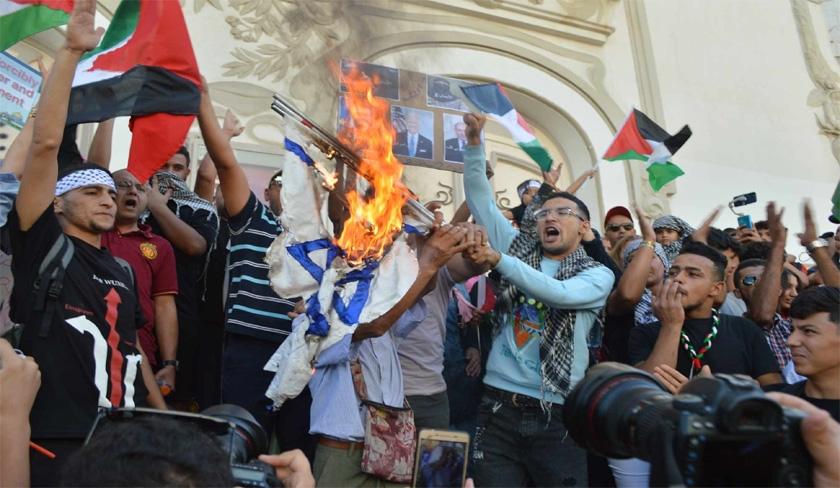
pixel 88 352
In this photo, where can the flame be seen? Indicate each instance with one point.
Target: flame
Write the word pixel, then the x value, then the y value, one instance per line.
pixel 375 217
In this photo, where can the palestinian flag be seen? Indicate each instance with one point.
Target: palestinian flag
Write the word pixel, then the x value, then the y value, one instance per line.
pixel 20 19
pixel 144 67
pixel 492 100
pixel 640 138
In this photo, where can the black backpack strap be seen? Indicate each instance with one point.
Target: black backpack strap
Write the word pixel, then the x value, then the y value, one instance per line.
pixel 127 268
pixel 50 280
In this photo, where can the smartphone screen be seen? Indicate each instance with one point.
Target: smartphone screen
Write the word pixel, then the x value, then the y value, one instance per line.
pixel 745 221
pixel 440 463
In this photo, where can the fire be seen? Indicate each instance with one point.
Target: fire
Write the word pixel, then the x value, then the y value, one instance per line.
pixel 376 217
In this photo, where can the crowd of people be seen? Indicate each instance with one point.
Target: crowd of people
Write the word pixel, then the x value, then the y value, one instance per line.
pixel 157 294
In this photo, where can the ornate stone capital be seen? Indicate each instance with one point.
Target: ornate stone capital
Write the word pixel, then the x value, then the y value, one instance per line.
pixel 826 93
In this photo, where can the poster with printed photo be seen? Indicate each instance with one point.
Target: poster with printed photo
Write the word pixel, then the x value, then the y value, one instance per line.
pixel 444 92
pixel 415 132
pixel 387 79
pixel 454 137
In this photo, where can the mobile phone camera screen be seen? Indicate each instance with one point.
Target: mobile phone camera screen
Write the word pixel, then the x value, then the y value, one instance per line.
pixel 441 463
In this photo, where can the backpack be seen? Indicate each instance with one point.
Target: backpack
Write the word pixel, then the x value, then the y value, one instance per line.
pixel 50 281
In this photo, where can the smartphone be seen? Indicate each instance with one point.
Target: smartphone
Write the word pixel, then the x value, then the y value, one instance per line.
pixel 745 199
pixel 745 221
pixel 441 458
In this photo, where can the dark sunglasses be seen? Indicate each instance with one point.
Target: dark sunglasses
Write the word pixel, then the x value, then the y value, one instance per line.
pixel 616 227
pixel 749 280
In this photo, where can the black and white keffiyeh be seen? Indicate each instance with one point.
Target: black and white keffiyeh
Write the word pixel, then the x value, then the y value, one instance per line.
pixel 181 193
pixel 84 177
pixel 557 338
pixel 644 309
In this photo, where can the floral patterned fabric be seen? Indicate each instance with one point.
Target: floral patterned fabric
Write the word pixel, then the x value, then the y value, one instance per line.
pixel 389 436
pixel 389 443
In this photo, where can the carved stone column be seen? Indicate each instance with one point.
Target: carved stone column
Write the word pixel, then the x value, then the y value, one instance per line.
pixel 826 93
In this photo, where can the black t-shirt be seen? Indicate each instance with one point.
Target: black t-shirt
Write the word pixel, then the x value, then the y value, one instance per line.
pixel 190 268
pixel 89 358
pixel 798 390
pixel 617 335
pixel 739 348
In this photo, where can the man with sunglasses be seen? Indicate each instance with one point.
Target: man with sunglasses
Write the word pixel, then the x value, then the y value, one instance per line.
pixel 550 295
pixel 153 261
pixel 618 224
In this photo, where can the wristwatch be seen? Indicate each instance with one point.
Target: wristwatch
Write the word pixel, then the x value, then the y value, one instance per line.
pixel 169 362
pixel 816 244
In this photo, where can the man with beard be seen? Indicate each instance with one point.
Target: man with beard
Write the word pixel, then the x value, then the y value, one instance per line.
pixel 153 261
pixel 549 298
pixel 84 336
pixel 690 335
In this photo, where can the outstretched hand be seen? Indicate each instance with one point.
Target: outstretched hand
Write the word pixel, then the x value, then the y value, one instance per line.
pixel 809 234
pixel 82 33
pixel 702 232
pixel 232 127
pixel 552 176
pixel 645 227
pixel 778 233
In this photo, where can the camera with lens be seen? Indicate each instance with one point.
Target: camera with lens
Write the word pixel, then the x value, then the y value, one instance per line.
pixel 720 431
pixel 233 429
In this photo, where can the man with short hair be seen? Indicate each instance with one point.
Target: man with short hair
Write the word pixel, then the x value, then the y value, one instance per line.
pixel 85 338
pixel 256 319
pixel 153 261
pixel 550 296
pixel 454 147
pixel 759 284
pixel 190 224
pixel 691 335
pixel 814 343
pixel 724 244
pixel 618 224
pixel 411 142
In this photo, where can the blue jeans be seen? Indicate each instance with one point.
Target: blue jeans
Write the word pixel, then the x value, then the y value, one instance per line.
pixel 522 445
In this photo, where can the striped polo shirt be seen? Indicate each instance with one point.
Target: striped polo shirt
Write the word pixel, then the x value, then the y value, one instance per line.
pixel 252 307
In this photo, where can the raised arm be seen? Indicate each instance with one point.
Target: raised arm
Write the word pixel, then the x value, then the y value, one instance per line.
pixel 575 186
pixel 232 178
pixel 100 147
pixel 179 233
pixel 477 188
pixel 631 286
pixel 205 182
pixel 829 272
pixel 765 299
pixel 37 188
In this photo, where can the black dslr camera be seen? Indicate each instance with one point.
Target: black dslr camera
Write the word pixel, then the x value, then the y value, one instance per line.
pixel 718 431
pixel 233 428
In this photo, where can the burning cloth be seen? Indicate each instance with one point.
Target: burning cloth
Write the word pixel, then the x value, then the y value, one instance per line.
pixel 305 261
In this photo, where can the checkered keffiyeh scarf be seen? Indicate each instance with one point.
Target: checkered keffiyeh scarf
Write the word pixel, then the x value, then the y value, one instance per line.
pixel 644 309
pixel 674 223
pixel 181 193
pixel 83 177
pixel 557 338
